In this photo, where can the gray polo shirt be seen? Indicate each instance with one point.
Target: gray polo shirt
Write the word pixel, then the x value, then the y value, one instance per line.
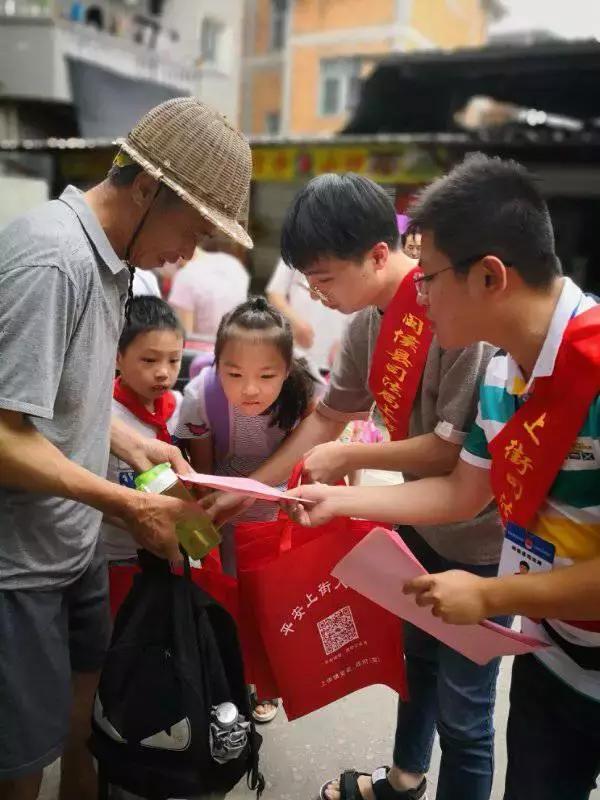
pixel 62 294
pixel 446 403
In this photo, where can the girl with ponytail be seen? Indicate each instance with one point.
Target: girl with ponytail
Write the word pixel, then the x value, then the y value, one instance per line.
pixel 237 412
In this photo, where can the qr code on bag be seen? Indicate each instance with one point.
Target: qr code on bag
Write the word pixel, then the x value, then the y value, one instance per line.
pixel 337 630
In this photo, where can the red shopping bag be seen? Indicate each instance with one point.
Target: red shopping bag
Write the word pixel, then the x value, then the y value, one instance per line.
pixel 120 580
pixel 257 666
pixel 258 544
pixel 221 587
pixel 321 640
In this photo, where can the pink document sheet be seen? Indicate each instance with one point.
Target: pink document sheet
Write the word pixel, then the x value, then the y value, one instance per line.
pixel 245 486
pixel 380 565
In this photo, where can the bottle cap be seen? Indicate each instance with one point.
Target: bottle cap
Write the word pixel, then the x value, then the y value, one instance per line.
pixel 226 715
pixel 156 480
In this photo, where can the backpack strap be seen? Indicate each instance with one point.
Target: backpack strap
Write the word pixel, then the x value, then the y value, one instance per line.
pixel 254 777
pixel 217 410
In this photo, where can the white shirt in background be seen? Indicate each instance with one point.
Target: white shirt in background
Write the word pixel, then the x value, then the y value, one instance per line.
pixel 327 324
pixel 210 285
pixel 145 282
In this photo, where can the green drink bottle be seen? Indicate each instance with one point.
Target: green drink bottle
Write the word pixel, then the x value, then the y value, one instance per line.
pixel 198 535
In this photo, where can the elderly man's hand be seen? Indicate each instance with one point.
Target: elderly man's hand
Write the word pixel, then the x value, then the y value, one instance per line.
pixel 151 520
pixel 142 453
pixel 153 451
pixel 454 596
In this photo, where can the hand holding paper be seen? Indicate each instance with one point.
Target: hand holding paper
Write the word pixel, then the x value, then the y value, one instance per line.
pixel 455 596
pixel 379 567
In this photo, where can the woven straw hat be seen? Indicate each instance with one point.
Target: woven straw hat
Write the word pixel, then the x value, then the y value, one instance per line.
pixel 197 153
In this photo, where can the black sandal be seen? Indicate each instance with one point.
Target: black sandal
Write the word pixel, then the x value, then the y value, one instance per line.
pixel 382 789
pixel 348 785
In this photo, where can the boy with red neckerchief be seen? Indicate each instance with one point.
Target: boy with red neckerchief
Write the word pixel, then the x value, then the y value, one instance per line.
pixel 148 360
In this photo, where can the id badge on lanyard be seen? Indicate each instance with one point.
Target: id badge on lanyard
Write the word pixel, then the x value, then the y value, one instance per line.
pixel 524 552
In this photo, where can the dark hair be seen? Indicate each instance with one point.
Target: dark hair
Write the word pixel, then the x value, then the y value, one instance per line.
pixel 410 231
pixel 524 564
pixel 490 206
pixel 256 314
pixel 148 313
pixel 339 216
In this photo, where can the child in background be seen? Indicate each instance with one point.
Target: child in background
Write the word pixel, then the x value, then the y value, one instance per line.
pixel 237 412
pixel 148 361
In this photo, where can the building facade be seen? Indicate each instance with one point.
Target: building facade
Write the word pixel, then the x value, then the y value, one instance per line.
pixel 304 59
pixel 91 67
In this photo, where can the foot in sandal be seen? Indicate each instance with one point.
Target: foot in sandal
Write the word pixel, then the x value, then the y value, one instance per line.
pixel 264 711
pixel 354 785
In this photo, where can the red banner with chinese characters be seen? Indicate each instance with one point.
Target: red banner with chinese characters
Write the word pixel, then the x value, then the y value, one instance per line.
pixel 529 451
pixel 399 358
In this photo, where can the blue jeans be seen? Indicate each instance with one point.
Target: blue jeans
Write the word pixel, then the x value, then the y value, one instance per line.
pixel 450 692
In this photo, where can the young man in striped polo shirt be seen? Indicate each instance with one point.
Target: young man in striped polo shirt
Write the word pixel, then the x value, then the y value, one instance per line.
pixel 490 273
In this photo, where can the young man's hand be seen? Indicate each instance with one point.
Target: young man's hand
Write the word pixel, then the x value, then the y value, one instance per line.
pixel 327 463
pixel 454 596
pixel 304 335
pixel 322 508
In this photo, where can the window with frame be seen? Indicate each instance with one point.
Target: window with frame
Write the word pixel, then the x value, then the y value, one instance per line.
pixel 272 123
pixel 339 85
pixel 210 40
pixel 279 14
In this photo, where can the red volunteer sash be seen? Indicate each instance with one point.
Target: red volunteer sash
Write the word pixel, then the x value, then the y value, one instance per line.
pixel 163 409
pixel 399 358
pixel 531 448
pixel 529 451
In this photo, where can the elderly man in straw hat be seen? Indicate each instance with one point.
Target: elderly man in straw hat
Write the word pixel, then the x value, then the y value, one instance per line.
pixel 65 275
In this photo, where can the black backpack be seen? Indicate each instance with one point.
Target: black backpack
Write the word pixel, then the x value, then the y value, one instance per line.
pixel 174 657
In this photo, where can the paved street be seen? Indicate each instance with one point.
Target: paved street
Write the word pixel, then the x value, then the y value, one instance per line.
pixel 354 732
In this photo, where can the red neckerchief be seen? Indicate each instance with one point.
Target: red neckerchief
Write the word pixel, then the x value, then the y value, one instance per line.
pixel 163 409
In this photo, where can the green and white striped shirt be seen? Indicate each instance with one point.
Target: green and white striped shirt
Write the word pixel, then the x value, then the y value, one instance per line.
pixel 569 518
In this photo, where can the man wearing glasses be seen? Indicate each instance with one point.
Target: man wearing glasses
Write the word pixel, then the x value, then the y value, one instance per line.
pixel 341 232
pixel 534 448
